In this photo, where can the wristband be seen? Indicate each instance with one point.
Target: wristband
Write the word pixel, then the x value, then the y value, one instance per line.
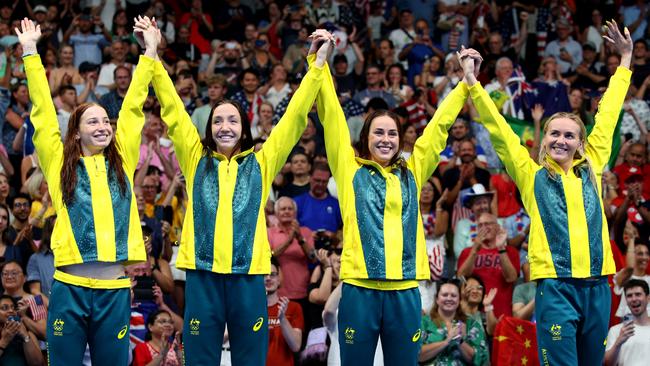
pixel 488 308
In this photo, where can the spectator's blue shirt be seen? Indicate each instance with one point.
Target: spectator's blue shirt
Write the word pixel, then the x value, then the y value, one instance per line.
pixel 364 96
pixel 416 58
pixel 40 267
pixel 88 47
pixel 112 102
pixel 319 214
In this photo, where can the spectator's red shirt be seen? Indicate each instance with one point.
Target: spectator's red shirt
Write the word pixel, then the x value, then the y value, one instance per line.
pixel 293 262
pixel 488 268
pixel 195 35
pixel 506 192
pixel 279 352
pixel 624 170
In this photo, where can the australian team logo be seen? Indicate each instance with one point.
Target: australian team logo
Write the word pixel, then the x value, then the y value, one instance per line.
pixel 349 335
pixel 58 327
pixel 556 332
pixel 194 326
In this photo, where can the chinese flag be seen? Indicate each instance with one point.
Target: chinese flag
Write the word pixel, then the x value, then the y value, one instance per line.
pixel 515 343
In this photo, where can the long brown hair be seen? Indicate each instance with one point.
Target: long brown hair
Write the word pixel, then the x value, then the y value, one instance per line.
pixel 587 164
pixel 72 154
pixel 364 150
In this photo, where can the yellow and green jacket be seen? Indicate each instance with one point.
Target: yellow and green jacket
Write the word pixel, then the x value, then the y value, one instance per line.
pixel 225 228
pixel 568 231
pixel 102 223
pixel 382 226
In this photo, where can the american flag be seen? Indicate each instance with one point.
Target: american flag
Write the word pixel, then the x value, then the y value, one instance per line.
pixel 37 307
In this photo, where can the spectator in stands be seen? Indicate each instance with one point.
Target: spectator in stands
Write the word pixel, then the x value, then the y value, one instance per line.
pixel 374 83
pixel 183 48
pixel 112 101
pixel 248 97
pixel 158 350
pixel 551 88
pixel 293 247
pixel 31 309
pixel 300 168
pixel 217 89
pixel 20 231
pixel 8 250
pixel 566 51
pixel 450 156
pixel 40 268
pixel 405 33
pixel 118 52
pixel 636 119
pixel 17 344
pixel 491 259
pixel 523 298
pixel 87 45
pixel 261 60
pixel 637 257
pixel 418 50
pixel 477 304
pixel 200 25
pixel 635 155
pixel 641 64
pixel 285 320
pixel 396 83
pixel 227 59
pixel 318 210
pixel 588 73
pixel 634 15
pixel 386 54
pixel 277 88
pixel 66 72
pixel 461 177
pixel 265 123
pixel 87 89
pixel 68 96
pixel 450 336
pixel 14 118
pixel 628 343
pixel 294 57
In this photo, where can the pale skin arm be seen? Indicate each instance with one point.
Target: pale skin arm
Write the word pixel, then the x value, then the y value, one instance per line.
pixel 293 336
pixel 320 295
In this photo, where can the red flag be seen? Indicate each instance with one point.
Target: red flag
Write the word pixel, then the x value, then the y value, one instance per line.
pixel 515 343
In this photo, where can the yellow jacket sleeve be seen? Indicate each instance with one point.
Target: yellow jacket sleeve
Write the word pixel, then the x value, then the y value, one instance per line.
pixel 131 118
pixel 338 146
pixel 47 137
pixel 427 149
pixel 182 132
pixel 286 133
pixel 599 144
pixel 514 156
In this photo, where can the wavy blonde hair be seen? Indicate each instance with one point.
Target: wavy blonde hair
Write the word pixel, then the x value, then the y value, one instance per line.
pixel 580 152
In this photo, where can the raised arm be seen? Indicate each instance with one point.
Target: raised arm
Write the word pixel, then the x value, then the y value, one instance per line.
pixel 130 120
pixel 182 132
pixel 506 143
pixel 599 144
pixel 294 121
pixel 427 149
pixel 337 135
pixel 47 137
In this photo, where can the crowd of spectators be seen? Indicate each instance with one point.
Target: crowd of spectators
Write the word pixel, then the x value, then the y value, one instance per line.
pixel 540 57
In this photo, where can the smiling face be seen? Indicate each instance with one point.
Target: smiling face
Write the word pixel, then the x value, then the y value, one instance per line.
pixel 285 210
pixel 95 131
pixel 272 280
pixel 637 300
pixel 562 138
pixel 383 140
pixel 448 298
pixel 473 291
pixel 226 129
pixel 641 257
pixel 162 326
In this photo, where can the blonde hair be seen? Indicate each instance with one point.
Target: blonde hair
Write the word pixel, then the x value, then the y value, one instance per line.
pixel 580 152
pixel 33 184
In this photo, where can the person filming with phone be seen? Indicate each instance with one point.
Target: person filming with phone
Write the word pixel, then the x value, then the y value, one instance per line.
pixel 628 343
pixel 18 345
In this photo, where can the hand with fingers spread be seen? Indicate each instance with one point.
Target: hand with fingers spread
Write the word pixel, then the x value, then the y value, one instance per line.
pixel 621 43
pixel 28 36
